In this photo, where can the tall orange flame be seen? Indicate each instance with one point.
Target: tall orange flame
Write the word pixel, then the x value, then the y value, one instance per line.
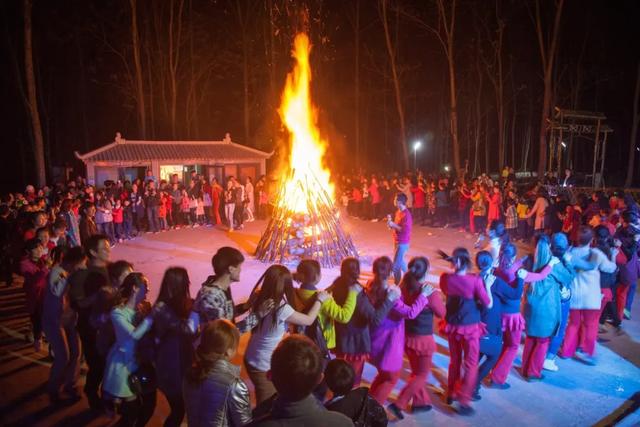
pixel 308 176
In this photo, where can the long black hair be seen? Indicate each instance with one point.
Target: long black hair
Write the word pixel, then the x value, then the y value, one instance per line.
pixel 349 275
pixel 410 284
pixel 460 258
pixel 275 284
pixel 174 291
pixel 382 269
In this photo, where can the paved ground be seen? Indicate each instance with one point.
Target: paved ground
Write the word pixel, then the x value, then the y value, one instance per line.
pixel 577 395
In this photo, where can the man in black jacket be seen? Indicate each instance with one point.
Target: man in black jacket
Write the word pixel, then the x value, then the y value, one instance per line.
pixel 296 369
pixel 356 404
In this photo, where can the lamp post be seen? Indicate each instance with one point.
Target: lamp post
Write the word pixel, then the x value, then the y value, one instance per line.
pixel 416 147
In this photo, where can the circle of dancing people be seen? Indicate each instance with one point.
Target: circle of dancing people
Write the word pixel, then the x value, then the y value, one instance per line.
pixel 307 347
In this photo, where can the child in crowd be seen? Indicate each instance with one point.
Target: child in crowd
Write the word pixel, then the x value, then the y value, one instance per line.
pixel 200 210
pixel 185 209
pixel 162 212
pixel 193 210
pixel 522 209
pixel 58 237
pixel 118 220
pixel 355 403
pixel 127 220
pixel 511 219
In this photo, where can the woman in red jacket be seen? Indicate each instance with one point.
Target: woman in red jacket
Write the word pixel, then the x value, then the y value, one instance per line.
pixel 34 270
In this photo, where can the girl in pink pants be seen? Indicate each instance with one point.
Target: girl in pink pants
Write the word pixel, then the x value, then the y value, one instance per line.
pixel 463 326
pixel 387 343
pixel 512 321
pixel 419 343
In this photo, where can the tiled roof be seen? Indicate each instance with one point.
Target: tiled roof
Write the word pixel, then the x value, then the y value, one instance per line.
pixel 171 150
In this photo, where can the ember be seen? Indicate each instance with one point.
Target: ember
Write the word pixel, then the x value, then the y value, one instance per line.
pixel 305 222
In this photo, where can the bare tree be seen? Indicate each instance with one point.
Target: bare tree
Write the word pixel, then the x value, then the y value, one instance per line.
pixel 634 132
pixel 396 82
pixel 444 32
pixel 548 51
pixel 32 97
pixel 494 65
pixel 135 41
pixel 244 13
pixel 175 41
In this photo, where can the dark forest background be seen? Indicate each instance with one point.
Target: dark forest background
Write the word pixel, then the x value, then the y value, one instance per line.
pixel 382 73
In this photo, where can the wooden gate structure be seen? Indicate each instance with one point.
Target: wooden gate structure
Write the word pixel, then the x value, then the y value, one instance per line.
pixel 578 124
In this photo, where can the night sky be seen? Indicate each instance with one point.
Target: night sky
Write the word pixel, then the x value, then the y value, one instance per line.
pixel 84 70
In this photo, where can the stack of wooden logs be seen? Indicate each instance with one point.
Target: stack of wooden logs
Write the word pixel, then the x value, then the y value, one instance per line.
pixel 317 233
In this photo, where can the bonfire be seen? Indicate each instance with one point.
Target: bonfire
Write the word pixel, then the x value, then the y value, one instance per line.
pixel 305 222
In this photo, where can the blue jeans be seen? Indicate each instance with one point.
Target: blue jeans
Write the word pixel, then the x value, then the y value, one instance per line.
pixel 631 294
pixel 399 264
pixel 556 341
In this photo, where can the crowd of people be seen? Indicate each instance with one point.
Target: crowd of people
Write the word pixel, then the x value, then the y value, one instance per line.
pixel 307 346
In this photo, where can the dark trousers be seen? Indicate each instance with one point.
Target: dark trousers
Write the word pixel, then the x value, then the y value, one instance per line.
pixel 490 348
pixel 238 214
pixel 6 265
pixel 36 323
pixel 441 215
pixel 129 413
pixel 147 407
pixel 95 362
pixel 175 215
pixel 119 226
pixel 152 217
pixel 176 403
pixel 127 229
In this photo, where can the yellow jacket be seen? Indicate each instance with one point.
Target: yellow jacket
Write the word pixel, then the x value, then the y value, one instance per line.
pixel 330 312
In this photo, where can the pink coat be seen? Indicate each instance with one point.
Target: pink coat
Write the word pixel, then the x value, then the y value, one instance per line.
pixel 387 340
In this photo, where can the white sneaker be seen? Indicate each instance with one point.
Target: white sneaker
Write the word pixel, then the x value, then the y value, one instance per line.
pixel 550 365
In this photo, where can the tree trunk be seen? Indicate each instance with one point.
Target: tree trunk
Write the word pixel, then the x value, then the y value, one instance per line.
pixel 174 61
pixel 396 86
pixel 32 96
pixel 634 131
pixel 135 40
pixel 357 83
pixel 447 41
pixel 548 54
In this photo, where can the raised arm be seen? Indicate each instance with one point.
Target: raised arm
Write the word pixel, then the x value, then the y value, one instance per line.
pixel 125 329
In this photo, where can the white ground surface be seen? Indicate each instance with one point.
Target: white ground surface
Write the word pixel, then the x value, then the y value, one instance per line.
pixel 577 395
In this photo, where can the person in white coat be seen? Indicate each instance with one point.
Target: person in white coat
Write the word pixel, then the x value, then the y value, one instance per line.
pixel 586 298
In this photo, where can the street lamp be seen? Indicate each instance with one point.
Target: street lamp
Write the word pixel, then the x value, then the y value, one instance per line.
pixel 416 147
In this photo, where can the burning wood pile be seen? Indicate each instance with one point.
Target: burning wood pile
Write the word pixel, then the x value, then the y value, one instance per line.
pixel 316 233
pixel 305 222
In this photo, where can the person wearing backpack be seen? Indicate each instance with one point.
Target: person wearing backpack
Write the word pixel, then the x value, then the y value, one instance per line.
pixel 276 284
pixel 338 309
pixel 355 403
pixel 353 339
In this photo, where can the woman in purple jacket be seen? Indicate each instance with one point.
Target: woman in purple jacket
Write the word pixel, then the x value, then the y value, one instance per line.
pixel 387 341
